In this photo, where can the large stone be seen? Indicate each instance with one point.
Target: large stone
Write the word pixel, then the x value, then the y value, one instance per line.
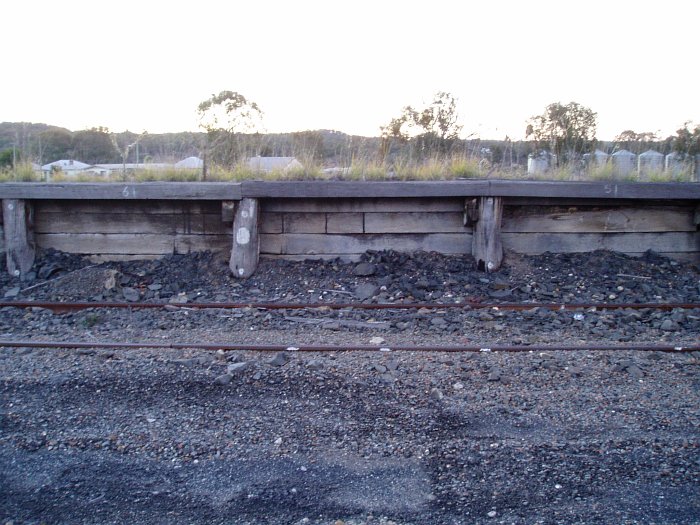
pixel 280 359
pixel 12 292
pixel 669 326
pixel 131 294
pixel 223 379
pixel 366 291
pixel 365 269
pixel 235 368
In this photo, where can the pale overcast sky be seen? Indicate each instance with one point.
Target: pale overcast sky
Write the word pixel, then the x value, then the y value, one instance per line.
pixel 350 65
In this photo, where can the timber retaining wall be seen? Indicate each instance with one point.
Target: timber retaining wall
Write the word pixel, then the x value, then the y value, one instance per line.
pixel 124 225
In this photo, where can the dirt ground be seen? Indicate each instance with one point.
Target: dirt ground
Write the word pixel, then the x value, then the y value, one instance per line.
pixel 184 436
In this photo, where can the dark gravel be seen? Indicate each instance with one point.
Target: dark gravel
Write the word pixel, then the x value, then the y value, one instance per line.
pixel 185 436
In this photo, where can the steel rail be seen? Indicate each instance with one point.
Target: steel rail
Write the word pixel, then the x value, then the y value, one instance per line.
pixel 67 306
pixel 486 348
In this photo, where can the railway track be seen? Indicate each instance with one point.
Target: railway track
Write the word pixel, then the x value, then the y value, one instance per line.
pixel 59 307
pixel 350 348
pixel 66 307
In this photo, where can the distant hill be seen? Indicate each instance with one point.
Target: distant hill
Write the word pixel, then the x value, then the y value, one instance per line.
pixel 44 143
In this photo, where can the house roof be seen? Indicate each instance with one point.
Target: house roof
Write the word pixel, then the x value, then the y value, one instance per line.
pixel 134 166
pixel 270 163
pixel 66 165
pixel 190 163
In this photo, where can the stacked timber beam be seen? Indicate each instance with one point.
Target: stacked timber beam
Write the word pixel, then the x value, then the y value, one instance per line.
pixel 334 218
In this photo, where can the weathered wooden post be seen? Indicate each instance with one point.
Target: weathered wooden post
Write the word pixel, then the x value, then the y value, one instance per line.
pixel 245 250
pixel 486 241
pixel 19 236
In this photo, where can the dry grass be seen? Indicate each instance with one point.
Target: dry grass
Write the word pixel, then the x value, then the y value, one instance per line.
pixel 359 169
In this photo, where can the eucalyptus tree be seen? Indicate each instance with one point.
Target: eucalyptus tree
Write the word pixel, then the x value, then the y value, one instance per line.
pixel 568 130
pixel 227 118
pixel 432 129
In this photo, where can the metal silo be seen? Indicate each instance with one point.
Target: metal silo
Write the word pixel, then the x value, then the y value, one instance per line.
pixel 649 163
pixel 623 163
pixel 538 163
pixel 599 158
pixel 677 165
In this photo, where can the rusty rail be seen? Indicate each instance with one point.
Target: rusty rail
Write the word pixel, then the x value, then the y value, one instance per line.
pixel 485 348
pixel 68 306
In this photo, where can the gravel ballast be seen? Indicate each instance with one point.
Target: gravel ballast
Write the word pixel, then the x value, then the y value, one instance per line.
pixel 187 436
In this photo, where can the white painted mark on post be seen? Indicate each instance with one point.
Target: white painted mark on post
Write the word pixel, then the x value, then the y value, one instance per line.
pixel 244 214
pixel 10 206
pixel 241 271
pixel 242 236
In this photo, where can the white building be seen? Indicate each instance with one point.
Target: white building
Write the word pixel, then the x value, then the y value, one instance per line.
pixel 270 164
pixel 68 167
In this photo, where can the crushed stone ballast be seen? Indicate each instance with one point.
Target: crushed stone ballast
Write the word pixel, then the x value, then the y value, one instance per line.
pixel 485 348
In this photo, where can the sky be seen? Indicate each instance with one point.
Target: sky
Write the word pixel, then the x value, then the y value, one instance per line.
pixel 351 66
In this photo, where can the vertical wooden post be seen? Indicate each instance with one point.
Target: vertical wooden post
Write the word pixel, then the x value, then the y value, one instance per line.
pixel 19 236
pixel 486 241
pixel 245 250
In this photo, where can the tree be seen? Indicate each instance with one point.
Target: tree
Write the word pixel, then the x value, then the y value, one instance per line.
pixel 94 146
pixel 567 129
pixel 55 144
pixel 687 141
pixel 635 142
pixel 224 116
pixel 7 157
pixel 125 145
pixel 437 125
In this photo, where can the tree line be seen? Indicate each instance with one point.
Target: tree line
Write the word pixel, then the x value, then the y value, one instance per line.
pixel 233 129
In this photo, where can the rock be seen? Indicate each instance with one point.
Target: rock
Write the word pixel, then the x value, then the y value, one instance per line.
pixel 193 361
pixel 635 371
pixel 223 379
pixel 12 292
pixel 494 376
pixel 280 359
pixel 392 366
pixel 364 269
pixel 48 270
pixel 492 514
pixel 131 294
pixel 436 394
pixel 366 291
pixel 387 378
pixel 575 371
pixel 315 364
pixel 180 298
pixel 379 368
pixel 385 281
pixel 422 284
pixel 458 386
pixel 438 321
pixel 669 326
pixel 110 282
pixel 155 287
pixel 235 368
pixel 377 340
